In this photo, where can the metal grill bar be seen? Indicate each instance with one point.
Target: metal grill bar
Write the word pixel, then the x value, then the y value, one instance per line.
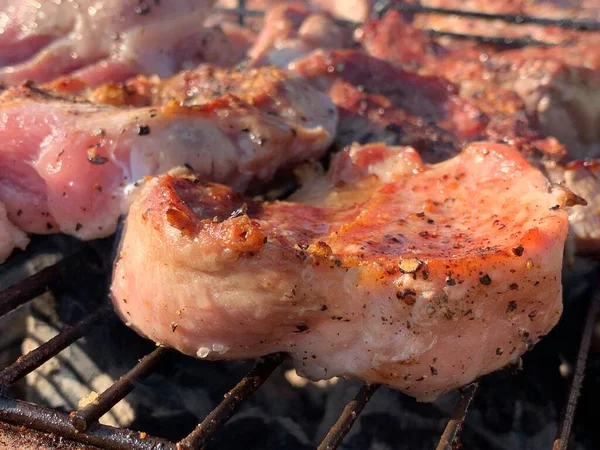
pixel 510 18
pixel 240 11
pixel 337 433
pixel 452 431
pixel 51 421
pixel 83 418
pixel 568 413
pixel 233 400
pixel 44 352
pixel 497 40
pixel 241 15
pixel 26 290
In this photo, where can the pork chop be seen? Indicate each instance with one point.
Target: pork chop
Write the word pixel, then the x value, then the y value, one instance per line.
pixel 560 86
pixel 66 165
pixel 292 31
pixel 106 41
pixel 382 103
pixel 10 236
pixel 421 277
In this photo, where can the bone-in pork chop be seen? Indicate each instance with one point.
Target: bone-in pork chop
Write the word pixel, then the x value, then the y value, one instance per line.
pixel 66 164
pixel 421 277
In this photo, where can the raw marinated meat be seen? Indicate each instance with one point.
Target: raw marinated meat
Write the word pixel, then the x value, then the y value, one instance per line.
pixel 421 277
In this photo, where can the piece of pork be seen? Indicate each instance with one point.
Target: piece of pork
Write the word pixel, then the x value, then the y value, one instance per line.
pixel 551 9
pixel 291 31
pixel 421 277
pixel 378 102
pixel 349 10
pixel 66 165
pixel 105 41
pixel 560 86
pixel 583 179
pixel 10 236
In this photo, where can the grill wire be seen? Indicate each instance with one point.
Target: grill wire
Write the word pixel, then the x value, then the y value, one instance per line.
pixel 82 425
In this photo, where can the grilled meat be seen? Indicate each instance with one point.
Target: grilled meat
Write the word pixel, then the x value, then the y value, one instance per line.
pixel 421 277
pixel 66 165
pixel 552 9
pixel 105 41
pixel 10 236
pixel 583 179
pixel 291 31
pixel 351 10
pixel 381 103
pixel 560 86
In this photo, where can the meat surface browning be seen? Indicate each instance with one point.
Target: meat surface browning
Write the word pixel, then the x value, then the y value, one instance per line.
pixel 560 86
pixel 378 102
pixel 421 277
pixel 67 165
pixel 583 179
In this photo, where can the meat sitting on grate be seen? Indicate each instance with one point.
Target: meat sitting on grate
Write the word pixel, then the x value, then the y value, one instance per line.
pixel 291 31
pixel 10 236
pixel 585 10
pixel 560 86
pixel 583 179
pixel 421 277
pixel 67 165
pixel 109 40
pixel 378 102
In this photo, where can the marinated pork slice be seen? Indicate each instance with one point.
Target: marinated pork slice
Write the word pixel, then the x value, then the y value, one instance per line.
pixel 583 179
pixel 378 102
pixel 10 236
pixel 67 165
pixel 292 31
pixel 553 9
pixel 106 41
pixel 560 86
pixel 350 10
pixel 421 277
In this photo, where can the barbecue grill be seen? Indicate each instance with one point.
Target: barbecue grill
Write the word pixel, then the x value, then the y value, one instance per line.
pixel 22 422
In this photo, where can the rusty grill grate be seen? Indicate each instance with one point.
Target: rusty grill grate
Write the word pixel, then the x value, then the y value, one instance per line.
pixel 82 425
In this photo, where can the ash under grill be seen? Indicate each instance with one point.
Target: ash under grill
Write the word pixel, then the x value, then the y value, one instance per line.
pixel 52 427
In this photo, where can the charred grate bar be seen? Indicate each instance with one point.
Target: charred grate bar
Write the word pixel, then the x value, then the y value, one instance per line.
pixel 52 276
pixel 580 25
pixel 337 433
pixel 232 401
pixel 83 418
pixel 50 349
pixel 449 439
pixel 568 414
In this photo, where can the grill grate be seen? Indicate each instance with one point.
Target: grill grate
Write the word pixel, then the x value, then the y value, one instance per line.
pixel 82 426
pixel 580 25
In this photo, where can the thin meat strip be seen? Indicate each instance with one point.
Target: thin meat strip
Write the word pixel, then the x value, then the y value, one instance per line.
pixel 422 277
